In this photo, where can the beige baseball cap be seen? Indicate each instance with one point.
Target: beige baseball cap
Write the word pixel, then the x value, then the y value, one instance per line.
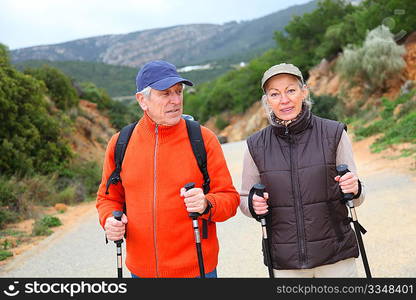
pixel 282 68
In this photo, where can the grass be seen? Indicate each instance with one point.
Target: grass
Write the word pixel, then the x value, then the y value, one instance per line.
pixel 396 123
pixel 5 254
pixel 42 226
pixel 12 232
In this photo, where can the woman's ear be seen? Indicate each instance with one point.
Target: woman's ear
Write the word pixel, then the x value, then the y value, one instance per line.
pixel 142 101
pixel 305 91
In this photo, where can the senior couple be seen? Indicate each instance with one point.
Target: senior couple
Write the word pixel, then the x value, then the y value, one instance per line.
pixel 295 158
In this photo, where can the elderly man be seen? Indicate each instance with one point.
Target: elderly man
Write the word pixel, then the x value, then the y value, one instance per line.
pixel 157 164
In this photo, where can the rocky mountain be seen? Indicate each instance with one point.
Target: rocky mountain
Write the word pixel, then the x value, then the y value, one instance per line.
pixel 183 44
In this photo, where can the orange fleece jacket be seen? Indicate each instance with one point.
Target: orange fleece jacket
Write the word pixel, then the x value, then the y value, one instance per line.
pixel 158 162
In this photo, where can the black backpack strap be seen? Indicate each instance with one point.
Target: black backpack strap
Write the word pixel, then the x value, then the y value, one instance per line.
pixel 120 150
pixel 198 147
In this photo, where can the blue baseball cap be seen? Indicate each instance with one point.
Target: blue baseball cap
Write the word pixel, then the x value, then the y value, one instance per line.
pixel 159 75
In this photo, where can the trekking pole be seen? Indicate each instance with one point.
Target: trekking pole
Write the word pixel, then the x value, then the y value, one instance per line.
pixel 117 215
pixel 194 216
pixel 259 189
pixel 348 198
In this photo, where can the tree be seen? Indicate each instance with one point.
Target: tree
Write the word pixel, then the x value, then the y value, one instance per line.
pixel 59 86
pixel 30 137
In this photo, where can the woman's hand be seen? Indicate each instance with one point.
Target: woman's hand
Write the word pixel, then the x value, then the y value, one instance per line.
pixel 260 204
pixel 348 183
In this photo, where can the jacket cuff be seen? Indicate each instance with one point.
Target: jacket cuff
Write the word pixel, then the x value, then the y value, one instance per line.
pixel 359 190
pixel 211 207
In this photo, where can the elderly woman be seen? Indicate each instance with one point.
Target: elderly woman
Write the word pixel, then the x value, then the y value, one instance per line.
pixel 295 157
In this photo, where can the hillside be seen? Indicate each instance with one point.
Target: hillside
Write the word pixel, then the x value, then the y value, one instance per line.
pixel 323 80
pixel 182 45
pixel 118 81
pixel 92 132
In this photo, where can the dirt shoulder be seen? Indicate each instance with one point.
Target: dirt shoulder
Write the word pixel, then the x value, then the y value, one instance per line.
pixel 369 162
pixel 24 240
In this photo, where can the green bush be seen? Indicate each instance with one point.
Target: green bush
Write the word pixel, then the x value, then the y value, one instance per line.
pixel 7 216
pixel 12 199
pixel 59 86
pixel 41 226
pixel 31 136
pixel 84 175
pixel 5 254
pixel 50 221
pixel 221 123
pixel 394 127
pixel 402 132
pixel 89 91
pixel 67 196
pixel 326 106
pixel 372 129
pixel 122 113
pixel 377 60
pixel 39 229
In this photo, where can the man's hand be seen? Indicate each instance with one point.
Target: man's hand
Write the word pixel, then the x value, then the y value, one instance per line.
pixel 348 183
pixel 114 229
pixel 194 200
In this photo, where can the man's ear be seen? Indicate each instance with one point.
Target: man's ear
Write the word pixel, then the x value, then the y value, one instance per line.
pixel 142 101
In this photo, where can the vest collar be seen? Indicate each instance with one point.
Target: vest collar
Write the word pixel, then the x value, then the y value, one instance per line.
pixel 302 123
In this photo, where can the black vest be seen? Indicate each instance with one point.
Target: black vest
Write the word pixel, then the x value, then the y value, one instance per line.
pixel 307 221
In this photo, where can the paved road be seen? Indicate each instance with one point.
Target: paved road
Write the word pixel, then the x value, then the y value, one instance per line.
pixel 388 214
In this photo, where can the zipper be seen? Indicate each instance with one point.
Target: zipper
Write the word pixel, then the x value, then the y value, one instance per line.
pixel 298 204
pixel 154 198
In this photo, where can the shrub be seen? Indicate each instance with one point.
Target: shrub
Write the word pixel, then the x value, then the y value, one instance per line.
pixel 41 226
pixel 221 123
pixel 5 254
pixel 59 86
pixel 67 196
pixel 81 173
pixel 89 91
pixel 12 198
pixel 7 216
pixel 378 59
pixel 50 221
pixel 402 132
pixel 31 136
pixel 123 112
pixel 327 106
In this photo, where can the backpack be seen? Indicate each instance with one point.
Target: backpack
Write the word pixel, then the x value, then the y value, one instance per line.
pixel 198 148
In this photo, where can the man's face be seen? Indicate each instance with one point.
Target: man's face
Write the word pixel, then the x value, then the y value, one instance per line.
pixel 163 107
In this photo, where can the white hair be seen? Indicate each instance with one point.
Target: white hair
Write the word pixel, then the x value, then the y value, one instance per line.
pixel 146 91
pixel 269 111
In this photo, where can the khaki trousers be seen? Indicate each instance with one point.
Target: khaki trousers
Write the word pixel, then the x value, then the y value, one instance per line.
pixel 343 268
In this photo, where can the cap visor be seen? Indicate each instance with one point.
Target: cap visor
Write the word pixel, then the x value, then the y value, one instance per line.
pixel 168 82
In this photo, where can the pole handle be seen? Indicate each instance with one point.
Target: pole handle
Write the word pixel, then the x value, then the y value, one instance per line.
pixel 257 189
pixel 188 186
pixel 117 214
pixel 342 170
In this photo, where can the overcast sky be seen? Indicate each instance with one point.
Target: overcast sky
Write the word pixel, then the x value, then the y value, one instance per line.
pixel 25 23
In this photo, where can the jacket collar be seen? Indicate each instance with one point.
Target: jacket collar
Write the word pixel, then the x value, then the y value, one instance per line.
pixel 163 131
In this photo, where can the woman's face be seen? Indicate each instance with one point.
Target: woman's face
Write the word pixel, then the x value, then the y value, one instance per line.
pixel 285 96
